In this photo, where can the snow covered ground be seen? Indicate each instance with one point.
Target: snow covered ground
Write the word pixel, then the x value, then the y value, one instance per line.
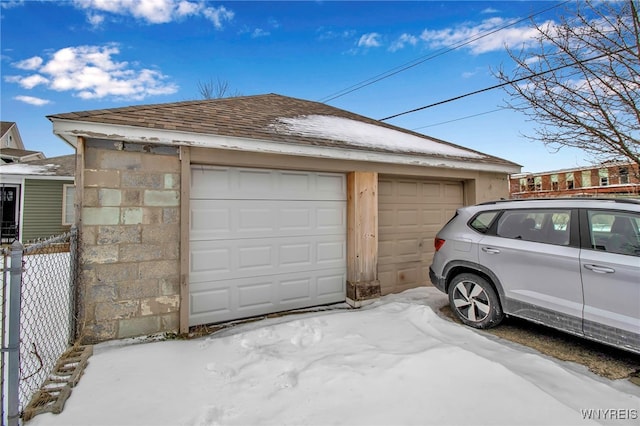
pixel 395 362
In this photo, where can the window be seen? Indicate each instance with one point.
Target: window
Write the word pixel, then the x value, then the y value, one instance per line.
pixel 623 172
pixel 543 226
pixel 615 232
pixel 604 177
pixel 586 178
pixel 538 182
pixel 68 208
pixel 530 184
pixel 554 182
pixel 569 180
pixel 483 221
pixel 523 184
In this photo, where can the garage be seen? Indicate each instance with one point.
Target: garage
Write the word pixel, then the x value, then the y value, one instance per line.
pixel 411 212
pixel 264 241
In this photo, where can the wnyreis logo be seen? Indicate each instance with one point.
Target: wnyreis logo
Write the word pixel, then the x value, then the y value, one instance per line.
pixel 609 414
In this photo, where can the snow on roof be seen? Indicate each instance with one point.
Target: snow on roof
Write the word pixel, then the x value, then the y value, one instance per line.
pixel 30 169
pixel 365 135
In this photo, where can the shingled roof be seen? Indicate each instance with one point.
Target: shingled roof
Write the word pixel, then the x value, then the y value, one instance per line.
pixel 262 118
pixel 63 166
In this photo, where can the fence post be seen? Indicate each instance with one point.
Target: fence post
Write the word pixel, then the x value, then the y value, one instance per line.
pixel 73 283
pixel 13 359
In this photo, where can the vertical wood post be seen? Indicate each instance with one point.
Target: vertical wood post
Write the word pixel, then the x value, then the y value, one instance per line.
pixel 185 195
pixel 362 237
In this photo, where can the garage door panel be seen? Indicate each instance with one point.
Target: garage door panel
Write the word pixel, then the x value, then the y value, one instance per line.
pixel 235 183
pixel 212 219
pixel 225 259
pixel 265 241
pixel 411 212
pixel 215 301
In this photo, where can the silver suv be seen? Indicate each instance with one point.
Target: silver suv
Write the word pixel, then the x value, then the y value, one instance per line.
pixel 572 264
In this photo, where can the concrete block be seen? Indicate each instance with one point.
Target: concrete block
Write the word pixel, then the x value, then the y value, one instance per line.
pixel 170 215
pixel 158 269
pixel 109 197
pixel 90 198
pixel 99 254
pixel 101 293
pixel 117 272
pixel 142 326
pixel 142 180
pixel 170 322
pixel 97 332
pixel 141 252
pixel 161 163
pixel 89 235
pixel 138 289
pixel 161 234
pixel 121 160
pixel 100 215
pixel 119 234
pixel 110 311
pixel 159 305
pixel 171 181
pixel 132 198
pixel 132 215
pixel 102 178
pixel 151 215
pixel 169 286
pixel 161 198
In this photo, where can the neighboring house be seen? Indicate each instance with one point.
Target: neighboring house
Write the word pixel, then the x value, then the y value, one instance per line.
pixel 615 179
pixel 11 146
pixel 206 211
pixel 37 198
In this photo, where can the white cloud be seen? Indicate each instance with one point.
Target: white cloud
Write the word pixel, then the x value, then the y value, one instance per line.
pixel 369 40
pixel 403 40
pixel 497 41
pixel 90 72
pixel 489 10
pixel 153 11
pixel 32 100
pixel 29 64
pixel 259 32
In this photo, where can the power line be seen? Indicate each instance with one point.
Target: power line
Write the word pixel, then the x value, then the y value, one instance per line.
pixel 422 59
pixel 517 80
pixel 458 119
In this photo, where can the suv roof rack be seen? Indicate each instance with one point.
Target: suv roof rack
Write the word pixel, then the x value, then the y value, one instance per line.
pixel 615 200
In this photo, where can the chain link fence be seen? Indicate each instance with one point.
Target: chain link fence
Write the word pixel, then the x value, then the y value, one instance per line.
pixel 43 274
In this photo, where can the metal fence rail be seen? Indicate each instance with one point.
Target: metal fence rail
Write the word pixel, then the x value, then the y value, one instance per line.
pixel 37 316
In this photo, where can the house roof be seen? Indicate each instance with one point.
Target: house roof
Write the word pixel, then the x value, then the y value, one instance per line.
pixel 250 122
pixel 5 126
pixel 64 166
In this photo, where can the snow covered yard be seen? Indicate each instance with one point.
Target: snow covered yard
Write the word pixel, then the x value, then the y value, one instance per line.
pixel 395 362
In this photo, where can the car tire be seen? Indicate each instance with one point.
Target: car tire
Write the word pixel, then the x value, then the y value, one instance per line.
pixel 474 301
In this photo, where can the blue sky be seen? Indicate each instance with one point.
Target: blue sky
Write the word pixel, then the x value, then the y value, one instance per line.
pixel 76 55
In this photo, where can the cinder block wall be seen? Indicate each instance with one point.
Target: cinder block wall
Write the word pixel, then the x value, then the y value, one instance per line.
pixel 129 242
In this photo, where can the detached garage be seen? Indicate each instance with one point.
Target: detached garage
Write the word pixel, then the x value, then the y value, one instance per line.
pixel 207 211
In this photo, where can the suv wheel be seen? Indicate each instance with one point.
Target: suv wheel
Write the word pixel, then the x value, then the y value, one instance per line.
pixel 474 301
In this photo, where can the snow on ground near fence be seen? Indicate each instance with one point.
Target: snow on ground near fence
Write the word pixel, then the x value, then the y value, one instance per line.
pixel 395 362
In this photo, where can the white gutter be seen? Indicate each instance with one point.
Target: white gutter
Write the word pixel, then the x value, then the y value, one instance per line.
pixel 70 130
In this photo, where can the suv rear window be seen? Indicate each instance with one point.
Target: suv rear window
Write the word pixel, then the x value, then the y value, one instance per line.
pixel 483 221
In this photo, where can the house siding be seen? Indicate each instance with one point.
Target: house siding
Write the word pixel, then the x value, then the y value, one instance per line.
pixel 42 214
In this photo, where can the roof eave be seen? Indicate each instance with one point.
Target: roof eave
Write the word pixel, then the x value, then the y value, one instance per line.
pixel 70 130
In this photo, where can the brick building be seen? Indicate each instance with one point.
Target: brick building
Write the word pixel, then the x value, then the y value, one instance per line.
pixel 605 180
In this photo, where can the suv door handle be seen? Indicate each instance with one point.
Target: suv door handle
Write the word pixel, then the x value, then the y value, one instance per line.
pixel 490 250
pixel 599 269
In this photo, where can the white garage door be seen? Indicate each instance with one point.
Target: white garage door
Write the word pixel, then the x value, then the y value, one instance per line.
pixel 264 241
pixel 411 212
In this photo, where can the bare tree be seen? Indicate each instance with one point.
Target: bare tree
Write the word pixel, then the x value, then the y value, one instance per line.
pixel 584 82
pixel 215 89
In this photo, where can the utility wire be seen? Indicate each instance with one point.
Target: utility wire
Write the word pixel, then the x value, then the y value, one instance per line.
pixel 422 59
pixel 506 83
pixel 458 119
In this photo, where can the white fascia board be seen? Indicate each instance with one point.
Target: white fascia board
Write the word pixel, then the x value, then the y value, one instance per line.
pixel 70 130
pixel 13 178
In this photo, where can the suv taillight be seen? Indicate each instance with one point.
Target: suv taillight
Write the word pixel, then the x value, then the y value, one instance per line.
pixel 438 243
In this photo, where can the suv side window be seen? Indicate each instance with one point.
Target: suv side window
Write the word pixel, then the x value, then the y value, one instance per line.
pixel 482 222
pixel 614 231
pixel 550 226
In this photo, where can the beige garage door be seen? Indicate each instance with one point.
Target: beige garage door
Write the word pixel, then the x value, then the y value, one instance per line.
pixel 411 212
